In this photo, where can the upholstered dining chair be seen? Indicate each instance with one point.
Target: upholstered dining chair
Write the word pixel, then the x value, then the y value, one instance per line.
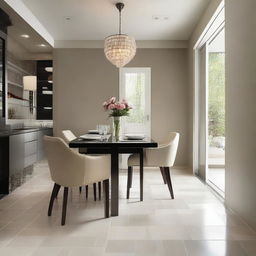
pixel 69 136
pixel 69 169
pixel 163 157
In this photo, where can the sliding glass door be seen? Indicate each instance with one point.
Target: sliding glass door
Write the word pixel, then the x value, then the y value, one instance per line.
pixel 211 111
pixel 216 111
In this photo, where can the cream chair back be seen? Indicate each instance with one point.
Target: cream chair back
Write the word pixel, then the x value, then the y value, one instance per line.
pixel 164 155
pixel 172 142
pixel 68 135
pixel 67 167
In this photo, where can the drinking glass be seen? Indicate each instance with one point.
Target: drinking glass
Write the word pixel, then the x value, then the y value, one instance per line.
pixel 106 129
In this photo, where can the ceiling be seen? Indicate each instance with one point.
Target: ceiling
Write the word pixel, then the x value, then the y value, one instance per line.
pixel 20 45
pixel 96 19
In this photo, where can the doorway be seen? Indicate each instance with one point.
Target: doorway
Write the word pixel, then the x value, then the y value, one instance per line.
pixel 211 111
pixel 216 111
pixel 135 87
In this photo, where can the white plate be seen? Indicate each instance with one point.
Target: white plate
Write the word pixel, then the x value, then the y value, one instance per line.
pixel 91 137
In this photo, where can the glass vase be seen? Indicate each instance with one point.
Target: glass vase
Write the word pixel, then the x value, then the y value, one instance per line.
pixel 116 126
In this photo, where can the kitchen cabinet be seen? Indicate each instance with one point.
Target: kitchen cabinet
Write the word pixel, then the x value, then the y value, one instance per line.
pixel 18 152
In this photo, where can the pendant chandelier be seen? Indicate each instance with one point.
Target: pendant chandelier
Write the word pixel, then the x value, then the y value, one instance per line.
pixel 120 48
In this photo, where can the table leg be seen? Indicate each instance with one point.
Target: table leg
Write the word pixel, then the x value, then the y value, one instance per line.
pixel 141 175
pixel 114 183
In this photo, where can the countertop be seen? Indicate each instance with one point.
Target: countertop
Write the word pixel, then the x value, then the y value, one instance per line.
pixel 6 133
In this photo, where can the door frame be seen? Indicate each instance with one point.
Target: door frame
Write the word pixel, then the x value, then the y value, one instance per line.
pixel 146 70
pixel 216 24
pixel 202 168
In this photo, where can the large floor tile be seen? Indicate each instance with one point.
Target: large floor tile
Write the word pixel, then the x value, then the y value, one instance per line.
pixel 128 233
pixel 214 248
pixel 195 223
pixel 120 246
pixel 15 251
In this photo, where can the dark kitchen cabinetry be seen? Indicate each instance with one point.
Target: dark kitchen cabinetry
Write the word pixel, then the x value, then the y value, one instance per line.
pixel 2 74
pixel 4 165
pixel 44 90
pixel 4 23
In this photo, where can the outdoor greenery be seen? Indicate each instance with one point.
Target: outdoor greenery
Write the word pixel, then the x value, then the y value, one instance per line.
pixel 136 97
pixel 216 91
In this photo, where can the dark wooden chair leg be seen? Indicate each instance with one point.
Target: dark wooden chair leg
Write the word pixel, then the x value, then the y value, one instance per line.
pixel 99 188
pixel 131 175
pixel 94 191
pixel 169 181
pixel 55 191
pixel 80 190
pixel 163 174
pixel 141 175
pixel 64 206
pixel 129 178
pixel 106 197
pixel 86 191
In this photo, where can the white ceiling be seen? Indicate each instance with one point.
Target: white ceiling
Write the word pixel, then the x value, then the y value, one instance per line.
pixel 96 19
pixel 23 47
pixel 33 43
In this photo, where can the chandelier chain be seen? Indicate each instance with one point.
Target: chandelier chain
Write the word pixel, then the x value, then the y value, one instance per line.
pixel 120 21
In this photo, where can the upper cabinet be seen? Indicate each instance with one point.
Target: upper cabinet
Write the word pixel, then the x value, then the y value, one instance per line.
pixel 2 75
pixel 4 23
pixel 44 89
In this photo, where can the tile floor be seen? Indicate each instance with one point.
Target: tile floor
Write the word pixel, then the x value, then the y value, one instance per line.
pixel 217 177
pixel 194 224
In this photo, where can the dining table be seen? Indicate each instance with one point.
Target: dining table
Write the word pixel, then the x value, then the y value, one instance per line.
pixel 114 147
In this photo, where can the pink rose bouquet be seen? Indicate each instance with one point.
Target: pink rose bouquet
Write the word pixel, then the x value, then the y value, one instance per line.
pixel 117 108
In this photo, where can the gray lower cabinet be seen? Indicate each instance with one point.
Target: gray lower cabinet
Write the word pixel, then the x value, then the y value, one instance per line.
pixel 25 149
pixel 16 160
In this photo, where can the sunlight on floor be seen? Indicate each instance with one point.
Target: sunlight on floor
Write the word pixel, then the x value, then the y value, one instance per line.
pixel 217 177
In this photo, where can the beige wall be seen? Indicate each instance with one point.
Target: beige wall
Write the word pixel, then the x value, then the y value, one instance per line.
pixel 241 108
pixel 83 79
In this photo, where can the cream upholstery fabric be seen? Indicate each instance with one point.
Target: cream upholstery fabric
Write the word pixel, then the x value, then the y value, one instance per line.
pixel 68 135
pixel 162 156
pixel 69 168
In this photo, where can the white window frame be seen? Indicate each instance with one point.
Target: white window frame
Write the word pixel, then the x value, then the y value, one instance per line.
pixel 215 25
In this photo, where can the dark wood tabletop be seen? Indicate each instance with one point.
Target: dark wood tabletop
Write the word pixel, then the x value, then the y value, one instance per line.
pixel 112 142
